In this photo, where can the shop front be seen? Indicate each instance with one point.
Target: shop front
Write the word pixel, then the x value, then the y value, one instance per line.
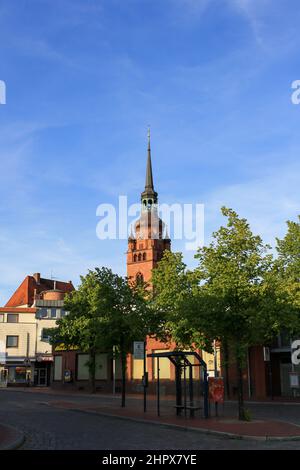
pixel 17 374
pixel 42 370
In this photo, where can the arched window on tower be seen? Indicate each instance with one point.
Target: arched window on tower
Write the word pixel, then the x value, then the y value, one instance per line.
pixel 140 257
pixel 135 258
pixel 144 256
pixel 139 279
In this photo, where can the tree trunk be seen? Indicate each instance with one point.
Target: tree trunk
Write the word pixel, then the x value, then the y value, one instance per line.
pixel 242 415
pixel 226 368
pixel 123 363
pixel 92 369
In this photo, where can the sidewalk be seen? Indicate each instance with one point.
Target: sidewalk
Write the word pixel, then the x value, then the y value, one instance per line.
pixel 256 429
pixel 270 425
pixel 226 425
pixel 10 438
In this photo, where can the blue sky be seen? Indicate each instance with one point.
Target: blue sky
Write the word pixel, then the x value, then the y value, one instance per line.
pixel 85 78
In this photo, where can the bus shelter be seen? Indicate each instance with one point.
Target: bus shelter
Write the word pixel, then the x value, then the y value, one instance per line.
pixel 182 361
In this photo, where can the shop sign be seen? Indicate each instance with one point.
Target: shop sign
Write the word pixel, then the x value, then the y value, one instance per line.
pixel 44 358
pixel 68 375
pixel 63 347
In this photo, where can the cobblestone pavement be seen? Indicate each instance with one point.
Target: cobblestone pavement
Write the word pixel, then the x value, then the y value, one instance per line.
pixel 46 428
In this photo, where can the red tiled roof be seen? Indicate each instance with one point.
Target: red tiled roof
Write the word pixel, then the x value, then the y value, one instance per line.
pixel 24 295
pixel 17 310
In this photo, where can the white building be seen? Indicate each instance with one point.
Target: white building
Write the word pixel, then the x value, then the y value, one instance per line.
pixel 25 351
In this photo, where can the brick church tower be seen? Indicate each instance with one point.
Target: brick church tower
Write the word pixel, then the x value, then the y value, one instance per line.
pixel 149 239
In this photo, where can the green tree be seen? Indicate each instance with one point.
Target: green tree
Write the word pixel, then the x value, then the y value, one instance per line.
pixel 174 288
pixel 81 327
pixel 105 313
pixel 286 276
pixel 236 303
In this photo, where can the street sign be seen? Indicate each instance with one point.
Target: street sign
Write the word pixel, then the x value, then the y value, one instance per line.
pixel 266 354
pixel 294 380
pixel 138 350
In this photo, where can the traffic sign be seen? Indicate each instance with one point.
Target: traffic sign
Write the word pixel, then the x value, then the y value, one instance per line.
pixel 138 349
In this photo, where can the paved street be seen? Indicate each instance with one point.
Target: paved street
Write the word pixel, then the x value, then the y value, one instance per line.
pixel 46 427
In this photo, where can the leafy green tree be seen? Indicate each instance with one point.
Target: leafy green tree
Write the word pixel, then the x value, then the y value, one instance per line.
pixel 105 314
pixel 286 276
pixel 236 303
pixel 81 327
pixel 174 287
pixel 228 297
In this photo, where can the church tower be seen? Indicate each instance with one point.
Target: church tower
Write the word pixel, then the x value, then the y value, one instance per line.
pixel 149 239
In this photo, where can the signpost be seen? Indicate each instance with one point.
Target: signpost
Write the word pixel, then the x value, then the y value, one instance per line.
pixel 266 354
pixel 138 349
pixel 139 352
pixel 294 380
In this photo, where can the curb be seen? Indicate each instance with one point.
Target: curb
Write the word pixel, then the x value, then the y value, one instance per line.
pixel 223 434
pixel 17 442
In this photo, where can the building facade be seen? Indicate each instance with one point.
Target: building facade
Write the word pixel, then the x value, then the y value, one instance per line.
pixel 25 352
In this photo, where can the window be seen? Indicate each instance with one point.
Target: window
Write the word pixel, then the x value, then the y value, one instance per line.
pixel 101 372
pixel 43 313
pixel 12 341
pixel 12 318
pixel 53 313
pixel 101 367
pixel 140 257
pixel 49 312
pixel 62 313
pixel 164 365
pixel 144 256
pixel 1 317
pixel 139 279
pixel 45 335
pixel 17 375
pixel 135 258
pixel 138 368
pixel 82 367
pixel 57 368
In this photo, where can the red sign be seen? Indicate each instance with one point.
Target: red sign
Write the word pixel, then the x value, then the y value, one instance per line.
pixel 44 358
pixel 216 389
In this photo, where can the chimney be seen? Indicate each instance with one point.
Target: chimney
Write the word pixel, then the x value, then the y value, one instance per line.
pixel 37 277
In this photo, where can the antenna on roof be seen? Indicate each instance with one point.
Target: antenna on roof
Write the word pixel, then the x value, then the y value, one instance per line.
pixel 53 279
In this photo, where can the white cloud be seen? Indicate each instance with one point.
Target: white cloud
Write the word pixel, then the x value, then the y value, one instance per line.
pixel 267 202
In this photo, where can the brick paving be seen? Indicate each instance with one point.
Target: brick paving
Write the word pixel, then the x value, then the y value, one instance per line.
pixel 52 420
pixel 10 437
pixel 111 406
